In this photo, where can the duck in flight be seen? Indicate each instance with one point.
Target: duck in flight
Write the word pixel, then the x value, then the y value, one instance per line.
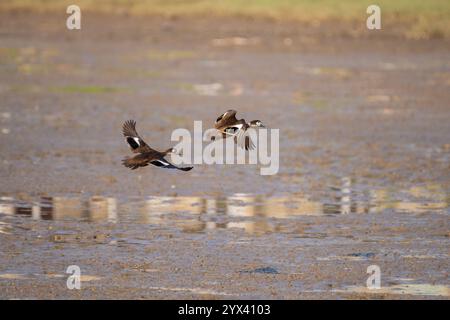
pixel 146 155
pixel 229 125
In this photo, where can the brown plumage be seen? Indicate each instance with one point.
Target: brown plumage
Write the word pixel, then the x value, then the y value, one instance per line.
pixel 229 125
pixel 146 155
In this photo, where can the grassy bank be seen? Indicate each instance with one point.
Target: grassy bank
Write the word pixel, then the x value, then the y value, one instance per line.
pixel 419 19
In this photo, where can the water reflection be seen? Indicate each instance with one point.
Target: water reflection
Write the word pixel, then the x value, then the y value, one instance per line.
pixel 59 208
pixel 253 213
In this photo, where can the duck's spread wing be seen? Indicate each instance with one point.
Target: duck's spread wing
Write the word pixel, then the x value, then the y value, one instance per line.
pixel 136 143
pixel 243 139
pixel 226 119
pixel 141 160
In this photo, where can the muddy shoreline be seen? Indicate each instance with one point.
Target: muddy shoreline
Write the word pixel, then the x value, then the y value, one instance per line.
pixel 364 161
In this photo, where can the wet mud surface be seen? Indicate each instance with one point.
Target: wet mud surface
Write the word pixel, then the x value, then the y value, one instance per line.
pixel 364 174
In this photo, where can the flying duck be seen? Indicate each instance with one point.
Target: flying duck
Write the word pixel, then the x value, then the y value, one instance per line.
pixel 228 125
pixel 146 155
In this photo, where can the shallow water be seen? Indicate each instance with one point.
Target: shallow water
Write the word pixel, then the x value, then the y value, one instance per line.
pixel 179 247
pixel 252 213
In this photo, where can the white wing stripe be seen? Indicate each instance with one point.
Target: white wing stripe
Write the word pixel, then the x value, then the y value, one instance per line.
pixel 163 163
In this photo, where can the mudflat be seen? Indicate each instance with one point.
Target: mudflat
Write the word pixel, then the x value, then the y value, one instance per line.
pixel 364 174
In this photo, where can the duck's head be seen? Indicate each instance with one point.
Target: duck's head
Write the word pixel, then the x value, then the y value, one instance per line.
pixel 256 123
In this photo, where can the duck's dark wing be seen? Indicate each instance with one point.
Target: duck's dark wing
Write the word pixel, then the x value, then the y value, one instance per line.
pixel 141 160
pixel 227 119
pixel 136 143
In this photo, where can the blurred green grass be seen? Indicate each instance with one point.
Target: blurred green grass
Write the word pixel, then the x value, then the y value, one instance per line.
pixel 422 19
